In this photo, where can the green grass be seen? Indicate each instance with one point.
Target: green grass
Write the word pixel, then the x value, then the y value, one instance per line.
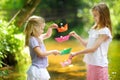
pixel 76 71
pixel 114 58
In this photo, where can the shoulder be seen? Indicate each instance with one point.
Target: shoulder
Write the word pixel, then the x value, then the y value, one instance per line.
pixel 105 31
pixel 33 42
pixel 32 38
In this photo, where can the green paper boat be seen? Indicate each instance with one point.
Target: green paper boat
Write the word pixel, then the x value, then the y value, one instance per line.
pixel 65 51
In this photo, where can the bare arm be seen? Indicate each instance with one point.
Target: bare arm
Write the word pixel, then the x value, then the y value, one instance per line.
pixel 93 48
pixel 43 54
pixel 82 41
pixel 49 31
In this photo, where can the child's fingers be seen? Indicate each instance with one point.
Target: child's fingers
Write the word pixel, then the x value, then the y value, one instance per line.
pixel 71 55
pixel 72 33
pixel 56 52
pixel 54 26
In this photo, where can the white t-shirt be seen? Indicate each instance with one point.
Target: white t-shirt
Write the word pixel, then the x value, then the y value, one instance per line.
pixel 99 57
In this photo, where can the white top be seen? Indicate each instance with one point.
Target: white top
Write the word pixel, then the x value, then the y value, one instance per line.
pixel 99 57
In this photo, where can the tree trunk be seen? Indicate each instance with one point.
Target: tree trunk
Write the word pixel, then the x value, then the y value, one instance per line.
pixel 26 11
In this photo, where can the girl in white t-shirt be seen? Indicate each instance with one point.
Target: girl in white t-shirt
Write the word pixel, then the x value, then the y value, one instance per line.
pixel 96 48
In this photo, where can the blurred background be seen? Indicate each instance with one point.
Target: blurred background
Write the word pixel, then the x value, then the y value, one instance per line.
pixel 15 59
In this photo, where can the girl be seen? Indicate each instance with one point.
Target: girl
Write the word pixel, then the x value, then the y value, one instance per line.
pixel 97 46
pixel 34 40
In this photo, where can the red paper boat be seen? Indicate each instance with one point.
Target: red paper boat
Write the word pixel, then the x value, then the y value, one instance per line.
pixel 63 28
pixel 62 38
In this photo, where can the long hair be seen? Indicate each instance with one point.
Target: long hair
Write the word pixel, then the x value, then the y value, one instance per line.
pixel 105 20
pixel 32 28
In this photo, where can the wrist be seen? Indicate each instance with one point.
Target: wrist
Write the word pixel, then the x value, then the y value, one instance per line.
pixel 77 36
pixel 73 55
pixel 50 27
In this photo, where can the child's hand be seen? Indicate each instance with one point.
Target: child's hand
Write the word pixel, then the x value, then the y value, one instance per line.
pixel 71 55
pixel 56 52
pixel 54 26
pixel 73 33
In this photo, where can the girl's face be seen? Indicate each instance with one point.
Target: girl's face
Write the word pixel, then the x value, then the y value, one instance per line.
pixel 42 28
pixel 96 16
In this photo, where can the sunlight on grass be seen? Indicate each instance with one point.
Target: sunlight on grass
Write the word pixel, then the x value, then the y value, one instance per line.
pixel 78 66
pixel 76 69
pixel 114 58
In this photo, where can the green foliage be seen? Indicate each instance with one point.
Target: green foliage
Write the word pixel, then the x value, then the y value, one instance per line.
pixel 115 18
pixel 11 4
pixel 77 14
pixel 11 42
pixel 57 10
pixel 9 7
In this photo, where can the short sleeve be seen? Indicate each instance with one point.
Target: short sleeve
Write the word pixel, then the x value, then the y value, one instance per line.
pixel 33 42
pixel 105 31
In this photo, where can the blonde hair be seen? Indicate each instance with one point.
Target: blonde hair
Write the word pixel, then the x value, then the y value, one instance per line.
pixel 105 20
pixel 33 28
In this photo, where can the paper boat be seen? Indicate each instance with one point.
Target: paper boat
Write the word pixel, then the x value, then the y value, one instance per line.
pixel 63 28
pixel 66 51
pixel 62 38
pixel 66 63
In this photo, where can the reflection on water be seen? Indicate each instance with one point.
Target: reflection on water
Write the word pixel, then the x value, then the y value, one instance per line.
pixel 76 71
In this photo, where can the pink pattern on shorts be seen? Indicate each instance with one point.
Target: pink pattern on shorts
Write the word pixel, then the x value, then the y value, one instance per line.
pixel 97 73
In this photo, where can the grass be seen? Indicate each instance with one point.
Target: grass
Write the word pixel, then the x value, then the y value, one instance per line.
pixel 114 58
pixel 76 71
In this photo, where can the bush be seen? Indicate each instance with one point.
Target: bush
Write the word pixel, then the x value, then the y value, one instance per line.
pixel 11 44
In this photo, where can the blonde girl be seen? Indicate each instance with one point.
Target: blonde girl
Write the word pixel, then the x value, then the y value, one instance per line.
pixel 34 40
pixel 96 48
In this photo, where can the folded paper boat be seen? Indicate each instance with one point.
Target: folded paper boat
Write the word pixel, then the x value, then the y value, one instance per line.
pixel 66 63
pixel 66 51
pixel 62 38
pixel 63 28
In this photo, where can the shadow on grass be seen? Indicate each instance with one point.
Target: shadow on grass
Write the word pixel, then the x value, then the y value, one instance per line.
pixel 65 76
